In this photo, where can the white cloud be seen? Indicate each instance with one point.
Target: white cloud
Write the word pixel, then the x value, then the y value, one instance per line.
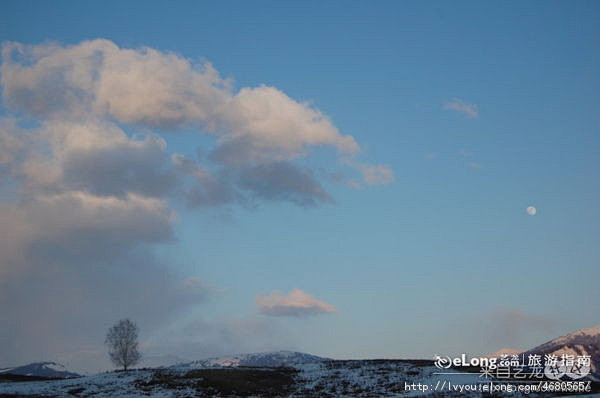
pixel 458 105
pixel 296 304
pixel 269 120
pixel 376 175
pixel 369 175
pixel 161 90
pixel 82 92
pixel 142 86
pixel 94 156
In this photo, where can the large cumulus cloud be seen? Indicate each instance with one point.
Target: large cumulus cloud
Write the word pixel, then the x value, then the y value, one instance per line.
pixel 87 182
pixel 156 89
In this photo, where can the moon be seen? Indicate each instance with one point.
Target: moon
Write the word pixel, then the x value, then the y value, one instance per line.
pixel 531 210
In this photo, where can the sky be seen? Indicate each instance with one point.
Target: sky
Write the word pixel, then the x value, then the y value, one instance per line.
pixel 349 179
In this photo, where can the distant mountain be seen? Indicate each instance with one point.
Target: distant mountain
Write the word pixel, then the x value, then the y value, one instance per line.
pixel 41 369
pixel 271 359
pixel 581 342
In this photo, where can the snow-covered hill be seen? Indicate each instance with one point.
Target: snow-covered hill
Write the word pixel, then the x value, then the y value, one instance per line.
pixel 366 379
pixel 288 373
pixel 581 342
pixel 41 369
pixel 334 379
pixel 274 358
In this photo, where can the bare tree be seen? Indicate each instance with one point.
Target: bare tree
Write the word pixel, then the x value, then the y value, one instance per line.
pixel 122 342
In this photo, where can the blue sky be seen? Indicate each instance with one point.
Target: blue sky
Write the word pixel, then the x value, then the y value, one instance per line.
pixel 442 260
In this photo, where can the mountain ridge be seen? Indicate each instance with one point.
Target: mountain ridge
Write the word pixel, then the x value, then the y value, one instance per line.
pixel 580 342
pixel 267 359
pixel 40 369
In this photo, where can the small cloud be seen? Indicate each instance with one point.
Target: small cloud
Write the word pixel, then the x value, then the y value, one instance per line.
pixel 465 154
pixel 297 304
pixel 369 174
pixel 476 166
pixel 430 156
pixel 375 175
pixel 456 104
